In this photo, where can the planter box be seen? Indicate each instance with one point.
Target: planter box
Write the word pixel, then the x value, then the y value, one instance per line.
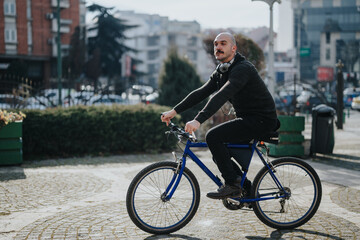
pixel 290 137
pixel 11 144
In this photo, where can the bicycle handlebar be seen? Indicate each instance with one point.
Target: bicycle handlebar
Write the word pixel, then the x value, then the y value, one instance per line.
pixel 181 132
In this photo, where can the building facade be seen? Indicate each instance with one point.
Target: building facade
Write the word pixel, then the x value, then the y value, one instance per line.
pixel 155 36
pixel 324 32
pixel 28 30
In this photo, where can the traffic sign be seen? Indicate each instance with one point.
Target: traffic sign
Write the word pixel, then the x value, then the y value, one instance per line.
pixel 305 52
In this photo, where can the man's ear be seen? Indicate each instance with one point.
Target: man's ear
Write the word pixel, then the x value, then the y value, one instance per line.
pixel 234 48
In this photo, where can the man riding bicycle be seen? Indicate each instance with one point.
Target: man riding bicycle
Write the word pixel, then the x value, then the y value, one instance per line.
pixel 236 80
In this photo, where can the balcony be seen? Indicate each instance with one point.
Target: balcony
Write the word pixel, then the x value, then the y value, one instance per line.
pixel 63 3
pixel 64 49
pixel 64 28
pixel 11 48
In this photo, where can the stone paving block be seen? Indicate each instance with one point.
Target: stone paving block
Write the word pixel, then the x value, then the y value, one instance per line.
pixel 73 192
pixel 91 221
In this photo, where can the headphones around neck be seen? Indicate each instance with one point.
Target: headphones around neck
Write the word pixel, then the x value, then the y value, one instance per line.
pixel 224 67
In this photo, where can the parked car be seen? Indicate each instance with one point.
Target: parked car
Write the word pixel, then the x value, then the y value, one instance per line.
pixel 348 98
pixel 356 103
pixel 303 97
pixel 284 103
pixel 8 101
pixel 151 98
pixel 109 99
pixel 308 99
pixel 351 90
pixel 38 102
pixel 141 89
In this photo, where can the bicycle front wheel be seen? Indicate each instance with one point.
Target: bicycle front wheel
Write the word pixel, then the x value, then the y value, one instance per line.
pixel 296 202
pixel 148 208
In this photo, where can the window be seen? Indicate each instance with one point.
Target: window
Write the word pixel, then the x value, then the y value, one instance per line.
pixel 328 54
pixel 192 55
pixel 192 41
pixel 153 54
pixel 153 41
pixel 10 35
pixel 153 68
pixel 29 33
pixel 172 39
pixel 82 19
pixel 328 38
pixel 28 9
pixel 9 7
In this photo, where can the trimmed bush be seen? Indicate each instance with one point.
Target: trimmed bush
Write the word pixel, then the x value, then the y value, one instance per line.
pixel 94 130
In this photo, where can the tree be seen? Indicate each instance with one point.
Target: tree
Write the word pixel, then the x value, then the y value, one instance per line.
pixel 245 46
pixel 106 43
pixel 177 80
pixel 73 64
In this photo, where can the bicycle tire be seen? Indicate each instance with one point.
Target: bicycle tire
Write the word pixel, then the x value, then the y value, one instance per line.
pixel 147 209
pixel 305 188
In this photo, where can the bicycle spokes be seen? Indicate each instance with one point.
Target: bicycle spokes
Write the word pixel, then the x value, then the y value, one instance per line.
pixel 152 203
pixel 292 199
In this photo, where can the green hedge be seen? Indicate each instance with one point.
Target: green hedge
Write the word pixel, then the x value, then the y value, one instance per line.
pixel 84 130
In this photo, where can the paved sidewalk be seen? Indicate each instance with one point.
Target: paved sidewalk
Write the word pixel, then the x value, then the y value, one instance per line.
pixel 84 198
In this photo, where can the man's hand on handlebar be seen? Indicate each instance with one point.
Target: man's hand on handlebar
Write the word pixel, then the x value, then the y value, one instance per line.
pixel 167 116
pixel 192 126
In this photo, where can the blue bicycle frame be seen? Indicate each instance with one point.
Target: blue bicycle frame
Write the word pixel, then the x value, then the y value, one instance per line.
pixel 253 147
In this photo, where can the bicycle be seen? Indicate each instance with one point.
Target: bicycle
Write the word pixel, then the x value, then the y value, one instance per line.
pixel 164 196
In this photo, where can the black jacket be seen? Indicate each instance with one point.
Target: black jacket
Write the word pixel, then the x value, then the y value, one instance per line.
pixel 241 85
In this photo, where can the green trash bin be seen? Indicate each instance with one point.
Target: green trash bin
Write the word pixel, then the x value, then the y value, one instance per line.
pixel 11 144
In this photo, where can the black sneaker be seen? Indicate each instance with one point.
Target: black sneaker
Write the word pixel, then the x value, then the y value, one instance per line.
pixel 225 191
pixel 247 188
pixel 247 192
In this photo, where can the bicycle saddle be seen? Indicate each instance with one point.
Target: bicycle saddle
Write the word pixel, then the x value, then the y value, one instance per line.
pixel 271 137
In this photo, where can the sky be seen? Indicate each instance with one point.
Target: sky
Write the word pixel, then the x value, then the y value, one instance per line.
pixel 215 13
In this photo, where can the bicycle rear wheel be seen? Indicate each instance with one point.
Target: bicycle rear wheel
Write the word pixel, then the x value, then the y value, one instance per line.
pixel 298 179
pixel 145 201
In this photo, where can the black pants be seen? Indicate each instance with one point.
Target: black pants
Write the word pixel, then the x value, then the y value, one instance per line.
pixel 237 130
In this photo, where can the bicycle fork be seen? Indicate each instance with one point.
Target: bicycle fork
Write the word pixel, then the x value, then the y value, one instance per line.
pixel 166 196
pixel 181 162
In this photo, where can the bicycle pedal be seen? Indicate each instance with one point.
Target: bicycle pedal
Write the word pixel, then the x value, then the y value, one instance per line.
pixel 248 205
pixel 233 201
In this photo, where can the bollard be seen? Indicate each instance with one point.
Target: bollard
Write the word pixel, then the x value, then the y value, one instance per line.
pixel 307 115
pixel 290 137
pixel 11 144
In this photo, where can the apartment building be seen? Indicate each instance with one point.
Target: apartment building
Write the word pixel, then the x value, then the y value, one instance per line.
pixel 155 36
pixel 28 30
pixel 324 32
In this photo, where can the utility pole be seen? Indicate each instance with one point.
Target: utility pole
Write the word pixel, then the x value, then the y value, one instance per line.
pixel 298 37
pixel 271 72
pixel 340 95
pixel 59 60
pixel 294 97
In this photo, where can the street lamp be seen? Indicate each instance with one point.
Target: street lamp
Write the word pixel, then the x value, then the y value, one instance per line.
pixel 58 42
pixel 271 73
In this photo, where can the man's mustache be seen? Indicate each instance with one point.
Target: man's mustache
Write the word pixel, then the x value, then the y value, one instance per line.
pixel 218 51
